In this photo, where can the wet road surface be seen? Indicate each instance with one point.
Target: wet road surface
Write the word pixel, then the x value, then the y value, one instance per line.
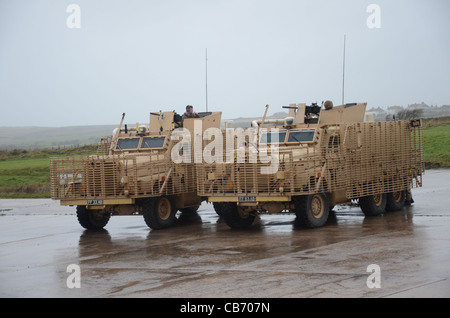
pixel 202 257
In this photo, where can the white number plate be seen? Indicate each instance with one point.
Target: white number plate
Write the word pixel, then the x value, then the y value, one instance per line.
pixel 95 202
pixel 245 198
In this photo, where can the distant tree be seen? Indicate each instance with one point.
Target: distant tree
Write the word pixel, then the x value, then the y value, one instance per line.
pixel 409 114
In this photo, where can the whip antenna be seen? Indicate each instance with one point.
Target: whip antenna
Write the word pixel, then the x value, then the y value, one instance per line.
pixel 343 73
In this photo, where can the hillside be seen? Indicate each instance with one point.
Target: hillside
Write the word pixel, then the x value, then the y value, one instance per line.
pixel 245 122
pixel 73 136
pixel 25 173
pixel 29 138
pixel 52 137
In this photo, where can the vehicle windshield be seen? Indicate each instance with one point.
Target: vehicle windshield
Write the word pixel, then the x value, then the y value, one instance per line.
pixel 152 142
pixel 273 137
pixel 127 143
pixel 301 135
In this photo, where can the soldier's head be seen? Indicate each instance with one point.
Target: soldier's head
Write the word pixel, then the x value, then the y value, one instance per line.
pixel 328 105
pixel 189 109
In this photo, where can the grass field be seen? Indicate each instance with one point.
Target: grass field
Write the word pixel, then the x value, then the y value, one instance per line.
pixel 437 146
pixel 24 178
pixel 25 173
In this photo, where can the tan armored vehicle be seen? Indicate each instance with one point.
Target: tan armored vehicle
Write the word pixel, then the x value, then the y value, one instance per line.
pixel 132 173
pixel 322 156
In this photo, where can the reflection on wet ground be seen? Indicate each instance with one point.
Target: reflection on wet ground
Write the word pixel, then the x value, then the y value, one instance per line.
pixel 202 257
pixel 205 234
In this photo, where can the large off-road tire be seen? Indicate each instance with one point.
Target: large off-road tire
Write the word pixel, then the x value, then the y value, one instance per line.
pixel 373 205
pixel 191 209
pixel 235 217
pixel 92 219
pixel 218 208
pixel 159 213
pixel 395 200
pixel 408 200
pixel 312 210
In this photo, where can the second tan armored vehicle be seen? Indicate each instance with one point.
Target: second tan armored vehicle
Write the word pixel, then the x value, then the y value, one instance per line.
pixel 325 156
pixel 133 173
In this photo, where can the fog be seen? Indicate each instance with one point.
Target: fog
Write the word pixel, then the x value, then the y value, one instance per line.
pixel 61 66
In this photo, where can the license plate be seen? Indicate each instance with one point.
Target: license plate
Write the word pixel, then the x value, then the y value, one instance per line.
pixel 245 198
pixel 95 202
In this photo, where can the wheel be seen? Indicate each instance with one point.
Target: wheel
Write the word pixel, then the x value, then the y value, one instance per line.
pixel 92 219
pixel 373 205
pixel 312 210
pixel 235 217
pixel 395 200
pixel 218 208
pixel 408 199
pixel 191 209
pixel 159 212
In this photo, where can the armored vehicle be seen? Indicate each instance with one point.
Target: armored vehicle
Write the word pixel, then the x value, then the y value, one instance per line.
pixel 321 156
pixel 132 173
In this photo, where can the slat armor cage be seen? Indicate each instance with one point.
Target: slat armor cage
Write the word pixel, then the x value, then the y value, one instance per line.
pixel 133 163
pixel 361 159
pixel 358 158
pixel 119 176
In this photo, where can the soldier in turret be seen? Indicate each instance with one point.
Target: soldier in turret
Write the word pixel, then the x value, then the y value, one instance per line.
pixel 190 112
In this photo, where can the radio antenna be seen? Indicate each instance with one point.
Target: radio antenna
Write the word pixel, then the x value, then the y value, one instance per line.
pixel 343 73
pixel 206 77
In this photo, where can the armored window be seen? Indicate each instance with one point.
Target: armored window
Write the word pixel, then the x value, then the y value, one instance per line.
pixel 127 143
pixel 272 137
pixel 153 142
pixel 301 135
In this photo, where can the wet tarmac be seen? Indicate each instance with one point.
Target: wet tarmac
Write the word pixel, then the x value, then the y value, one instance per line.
pixel 44 252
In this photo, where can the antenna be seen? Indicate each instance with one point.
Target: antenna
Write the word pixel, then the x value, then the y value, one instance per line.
pixel 343 73
pixel 206 75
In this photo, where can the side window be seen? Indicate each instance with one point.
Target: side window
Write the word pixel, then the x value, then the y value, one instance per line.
pixel 127 143
pixel 152 142
pixel 271 137
pixel 301 135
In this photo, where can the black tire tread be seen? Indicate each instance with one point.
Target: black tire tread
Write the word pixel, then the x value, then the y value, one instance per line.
pixel 151 216
pixel 191 209
pixel 304 215
pixel 232 218
pixel 392 205
pixel 369 208
pixel 88 221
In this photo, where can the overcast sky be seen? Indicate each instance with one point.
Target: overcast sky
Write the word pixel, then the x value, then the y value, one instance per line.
pixel 142 56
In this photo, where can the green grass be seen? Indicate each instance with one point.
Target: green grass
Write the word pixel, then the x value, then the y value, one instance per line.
pixel 46 153
pixel 437 146
pixel 25 173
pixel 25 178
